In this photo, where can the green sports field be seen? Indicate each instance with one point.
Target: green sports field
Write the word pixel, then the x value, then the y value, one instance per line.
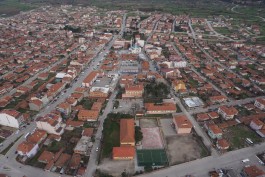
pixel 154 157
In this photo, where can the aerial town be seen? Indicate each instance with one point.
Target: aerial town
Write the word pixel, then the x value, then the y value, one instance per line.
pixel 89 92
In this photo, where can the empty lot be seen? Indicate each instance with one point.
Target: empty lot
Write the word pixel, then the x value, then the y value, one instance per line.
pixel 115 168
pixel 183 148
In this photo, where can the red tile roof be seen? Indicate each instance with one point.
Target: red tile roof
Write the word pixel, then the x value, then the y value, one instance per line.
pixel 127 130
pixel 46 157
pixel 182 121
pixel 123 152
pixel 253 171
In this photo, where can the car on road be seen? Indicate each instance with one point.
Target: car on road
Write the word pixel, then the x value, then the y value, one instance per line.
pixel 245 160
pixel 97 149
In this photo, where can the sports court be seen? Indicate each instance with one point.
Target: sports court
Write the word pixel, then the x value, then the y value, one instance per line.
pixel 151 138
pixel 155 157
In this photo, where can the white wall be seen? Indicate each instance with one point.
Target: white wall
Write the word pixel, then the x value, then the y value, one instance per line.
pixel 8 120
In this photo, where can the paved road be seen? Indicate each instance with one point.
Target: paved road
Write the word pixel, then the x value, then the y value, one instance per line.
pixel 199 74
pixel 154 28
pixel 201 167
pixel 231 103
pixel 36 75
pixel 233 10
pixel 216 33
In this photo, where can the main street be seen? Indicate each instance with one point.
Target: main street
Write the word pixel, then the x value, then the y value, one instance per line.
pixel 231 103
pixel 94 156
pixel 201 167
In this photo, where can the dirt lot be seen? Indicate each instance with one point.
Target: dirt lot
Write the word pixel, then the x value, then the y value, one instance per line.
pixel 148 123
pixel 115 168
pixel 183 148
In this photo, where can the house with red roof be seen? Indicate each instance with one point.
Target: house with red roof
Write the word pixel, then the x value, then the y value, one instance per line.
pixel 227 112
pixel 222 144
pixel 256 124
pixel 182 124
pixel 46 157
pixel 253 171
pixel 27 149
pixel 214 131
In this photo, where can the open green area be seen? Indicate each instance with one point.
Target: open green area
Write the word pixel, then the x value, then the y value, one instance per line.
pixel 111 133
pixel 156 90
pixel 68 141
pixel 34 160
pixel 238 134
pixel 223 30
pixel 12 7
pixel 1 140
pixel 87 103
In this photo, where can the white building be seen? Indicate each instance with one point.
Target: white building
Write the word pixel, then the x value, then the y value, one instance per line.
pixel 27 149
pixel 180 64
pixel 50 125
pixel 260 103
pixel 11 118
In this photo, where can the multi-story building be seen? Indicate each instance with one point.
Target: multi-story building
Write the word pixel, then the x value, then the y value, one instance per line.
pixel 182 124
pixel 11 118
pixel 27 149
pixel 50 124
pixel 227 112
pixel 133 91
pixel 163 108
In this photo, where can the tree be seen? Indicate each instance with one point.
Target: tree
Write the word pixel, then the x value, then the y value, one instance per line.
pixel 138 134
pixel 148 168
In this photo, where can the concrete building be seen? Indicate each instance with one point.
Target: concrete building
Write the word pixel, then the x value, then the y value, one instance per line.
pixel 11 118
pixel 182 124
pixel 82 146
pixel 227 112
pixel 260 103
pixel 50 125
pixel 27 149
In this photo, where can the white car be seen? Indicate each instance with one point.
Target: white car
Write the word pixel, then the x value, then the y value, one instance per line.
pixel 97 149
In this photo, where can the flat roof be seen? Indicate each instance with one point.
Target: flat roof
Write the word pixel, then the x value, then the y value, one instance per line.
pixel 192 102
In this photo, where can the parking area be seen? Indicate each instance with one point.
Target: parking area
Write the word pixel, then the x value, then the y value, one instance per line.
pixel 115 168
pixel 148 123
pixel 183 149
pixel 129 106
pixel 167 128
